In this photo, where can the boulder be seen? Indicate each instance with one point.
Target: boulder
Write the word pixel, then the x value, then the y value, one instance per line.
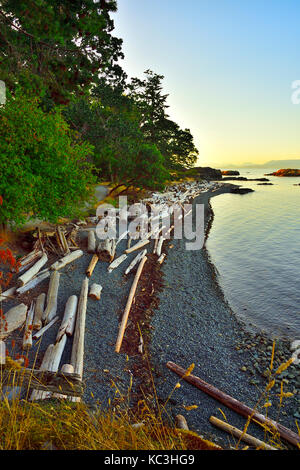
pixel 230 172
pixel 285 172
pixel 241 190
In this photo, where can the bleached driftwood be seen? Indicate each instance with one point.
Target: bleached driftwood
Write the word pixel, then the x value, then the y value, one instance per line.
pixel 2 353
pixel 68 369
pixel 159 246
pixel 38 313
pixel 28 260
pixel 128 305
pixel 50 310
pixel 14 318
pixel 9 293
pixel 124 234
pixel 116 262
pixel 28 275
pixel 161 258
pixel 92 265
pixel 135 261
pixel 61 263
pixel 106 250
pixel 27 338
pixel 37 394
pixel 91 242
pixel 57 353
pixel 68 321
pixel 45 328
pixel 137 246
pixel 33 283
pixel 78 341
pixel 95 291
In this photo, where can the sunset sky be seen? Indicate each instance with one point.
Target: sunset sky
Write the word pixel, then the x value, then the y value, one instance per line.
pixel 228 66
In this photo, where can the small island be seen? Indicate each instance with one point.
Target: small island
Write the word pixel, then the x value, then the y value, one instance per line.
pixel 285 172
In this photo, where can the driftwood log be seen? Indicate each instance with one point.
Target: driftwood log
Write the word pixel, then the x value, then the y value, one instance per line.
pixel 67 370
pixel 14 318
pixel 61 263
pixel 2 353
pixel 116 262
pixel 8 294
pixel 257 443
pixel 92 265
pixel 39 310
pixel 27 338
pixel 236 405
pixel 137 246
pixel 68 321
pixel 135 261
pixel 45 328
pixel 50 310
pixel 28 275
pixel 78 341
pixel 33 283
pixel 106 250
pixel 128 304
pixel 95 291
pixel 91 242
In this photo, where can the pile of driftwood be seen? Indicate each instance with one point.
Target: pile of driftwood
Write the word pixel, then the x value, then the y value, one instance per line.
pixel 53 380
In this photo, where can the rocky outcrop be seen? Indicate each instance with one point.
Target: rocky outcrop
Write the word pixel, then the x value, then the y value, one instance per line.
pixel 230 172
pixel 243 178
pixel 285 172
pixel 239 190
pixel 208 173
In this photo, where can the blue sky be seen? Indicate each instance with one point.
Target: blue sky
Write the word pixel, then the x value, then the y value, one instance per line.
pixel 228 68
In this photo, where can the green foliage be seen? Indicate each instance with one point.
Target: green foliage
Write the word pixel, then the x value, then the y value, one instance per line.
pixel 44 170
pixel 66 43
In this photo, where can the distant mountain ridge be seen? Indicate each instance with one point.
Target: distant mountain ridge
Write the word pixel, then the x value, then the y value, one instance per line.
pixel 270 164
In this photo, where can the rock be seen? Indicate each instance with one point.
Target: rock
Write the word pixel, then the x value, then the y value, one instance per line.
pixel 285 172
pixel 264 184
pixel 241 190
pixel 230 172
pixel 14 319
pixel 208 173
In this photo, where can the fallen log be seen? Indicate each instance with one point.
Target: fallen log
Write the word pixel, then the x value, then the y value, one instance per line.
pixel 77 354
pixel 95 291
pixel 45 328
pixel 92 265
pixel 50 310
pixel 33 283
pixel 28 275
pixel 27 338
pixel 116 262
pixel 13 319
pixel 235 405
pixel 38 313
pixel 68 321
pixel 61 263
pixel 128 305
pixel 28 260
pixel 257 443
pixel 57 353
pixel 91 242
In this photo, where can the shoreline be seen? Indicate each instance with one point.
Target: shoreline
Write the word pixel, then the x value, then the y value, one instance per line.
pixel 195 324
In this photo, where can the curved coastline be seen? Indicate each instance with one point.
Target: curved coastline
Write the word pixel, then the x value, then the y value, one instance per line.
pixel 194 324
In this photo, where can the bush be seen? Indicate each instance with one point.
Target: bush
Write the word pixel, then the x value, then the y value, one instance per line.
pixel 44 170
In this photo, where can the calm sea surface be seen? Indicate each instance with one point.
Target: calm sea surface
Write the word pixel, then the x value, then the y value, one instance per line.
pixel 254 243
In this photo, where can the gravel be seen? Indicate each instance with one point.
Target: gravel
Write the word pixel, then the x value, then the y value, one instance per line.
pixel 193 324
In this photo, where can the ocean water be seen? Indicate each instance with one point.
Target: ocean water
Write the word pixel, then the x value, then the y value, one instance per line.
pixel 254 244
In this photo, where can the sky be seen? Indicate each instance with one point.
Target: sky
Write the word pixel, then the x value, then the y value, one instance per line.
pixel 228 65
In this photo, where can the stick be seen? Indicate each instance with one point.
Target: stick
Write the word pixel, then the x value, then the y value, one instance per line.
pixel 39 309
pixel 61 263
pixel 235 405
pixel 137 246
pixel 161 258
pixel 27 339
pixel 78 341
pixel 159 246
pixel 45 328
pixel 52 295
pixel 135 261
pixel 95 291
pixel 240 434
pixel 26 277
pixel 69 316
pixel 128 305
pixel 92 265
